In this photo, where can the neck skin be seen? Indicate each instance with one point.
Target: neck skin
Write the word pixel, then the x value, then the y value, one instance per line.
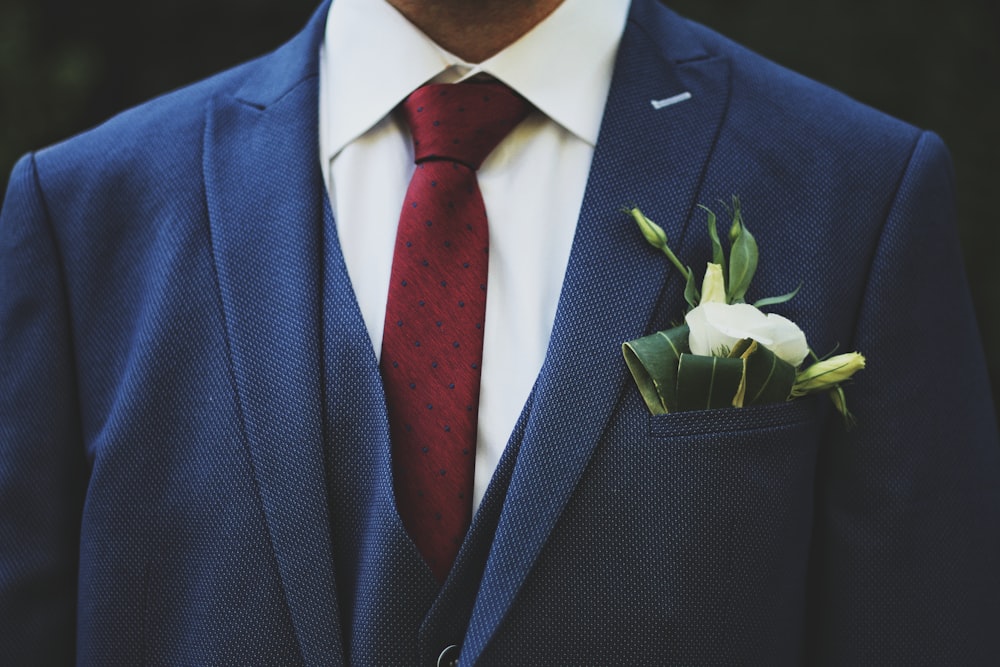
pixel 474 30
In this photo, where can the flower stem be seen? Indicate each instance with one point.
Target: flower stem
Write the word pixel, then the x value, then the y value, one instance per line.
pixel 676 262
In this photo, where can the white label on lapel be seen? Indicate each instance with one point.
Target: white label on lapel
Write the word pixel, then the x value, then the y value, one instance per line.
pixel 659 104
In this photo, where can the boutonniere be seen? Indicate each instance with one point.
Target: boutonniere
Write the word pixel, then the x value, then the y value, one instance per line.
pixel 729 353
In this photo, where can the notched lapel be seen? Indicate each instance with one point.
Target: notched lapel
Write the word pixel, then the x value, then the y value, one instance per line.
pixel 265 201
pixel 614 286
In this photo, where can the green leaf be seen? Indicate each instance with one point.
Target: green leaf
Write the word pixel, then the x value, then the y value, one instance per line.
pixel 705 382
pixel 691 294
pixel 775 300
pixel 769 379
pixel 742 261
pixel 840 402
pixel 653 362
pixel 718 256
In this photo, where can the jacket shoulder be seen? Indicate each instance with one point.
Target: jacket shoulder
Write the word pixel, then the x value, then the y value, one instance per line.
pixel 167 132
pixel 152 135
pixel 773 96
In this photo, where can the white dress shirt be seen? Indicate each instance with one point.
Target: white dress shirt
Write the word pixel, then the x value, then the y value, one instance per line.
pixel 532 183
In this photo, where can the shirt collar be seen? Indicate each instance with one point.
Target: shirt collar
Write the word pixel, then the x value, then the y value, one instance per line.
pixel 373 58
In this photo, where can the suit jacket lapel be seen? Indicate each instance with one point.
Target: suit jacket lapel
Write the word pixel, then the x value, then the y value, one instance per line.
pixel 652 157
pixel 266 205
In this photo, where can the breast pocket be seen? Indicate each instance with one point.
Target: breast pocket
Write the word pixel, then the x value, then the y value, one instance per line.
pixel 710 511
pixel 757 422
pixel 738 478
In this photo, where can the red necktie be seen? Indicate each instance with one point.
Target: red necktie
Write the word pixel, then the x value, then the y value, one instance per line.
pixel 432 346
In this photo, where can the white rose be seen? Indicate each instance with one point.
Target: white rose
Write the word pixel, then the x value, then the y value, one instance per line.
pixel 715 326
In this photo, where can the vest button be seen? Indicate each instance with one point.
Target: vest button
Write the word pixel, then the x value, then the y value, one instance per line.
pixel 448 657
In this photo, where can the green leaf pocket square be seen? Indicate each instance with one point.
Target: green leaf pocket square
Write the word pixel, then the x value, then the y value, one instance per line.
pixel 672 380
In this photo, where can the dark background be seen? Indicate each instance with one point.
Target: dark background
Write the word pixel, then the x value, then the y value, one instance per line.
pixel 65 66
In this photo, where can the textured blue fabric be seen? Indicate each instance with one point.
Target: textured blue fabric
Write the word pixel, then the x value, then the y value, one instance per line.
pixel 193 442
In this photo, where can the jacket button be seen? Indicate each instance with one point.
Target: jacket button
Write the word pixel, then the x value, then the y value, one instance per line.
pixel 448 657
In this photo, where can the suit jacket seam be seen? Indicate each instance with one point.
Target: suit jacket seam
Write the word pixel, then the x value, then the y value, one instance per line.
pixel 59 263
pixel 891 205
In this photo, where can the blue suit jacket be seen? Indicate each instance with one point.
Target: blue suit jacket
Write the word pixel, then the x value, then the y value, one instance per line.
pixel 184 371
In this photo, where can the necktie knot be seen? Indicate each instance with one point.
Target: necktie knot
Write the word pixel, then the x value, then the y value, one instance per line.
pixel 462 122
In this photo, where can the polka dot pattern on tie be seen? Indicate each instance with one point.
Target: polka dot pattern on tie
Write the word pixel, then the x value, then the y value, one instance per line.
pixel 433 340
